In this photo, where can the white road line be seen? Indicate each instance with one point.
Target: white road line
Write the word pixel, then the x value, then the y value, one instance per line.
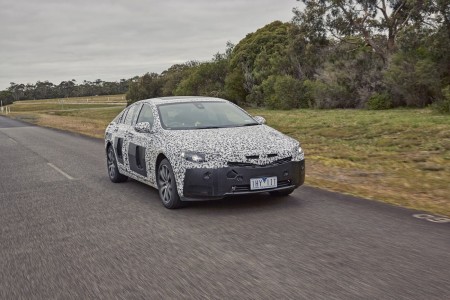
pixel 432 218
pixel 61 171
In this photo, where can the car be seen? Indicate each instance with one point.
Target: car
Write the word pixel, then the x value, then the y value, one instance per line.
pixel 201 148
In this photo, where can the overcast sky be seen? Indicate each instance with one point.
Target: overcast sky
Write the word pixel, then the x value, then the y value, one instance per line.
pixel 59 40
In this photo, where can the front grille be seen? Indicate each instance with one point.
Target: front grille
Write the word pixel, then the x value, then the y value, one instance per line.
pixel 240 164
pixel 247 164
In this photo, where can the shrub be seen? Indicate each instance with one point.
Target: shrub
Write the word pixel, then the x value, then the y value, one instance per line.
pixel 282 92
pixel 443 105
pixel 379 101
pixel 328 95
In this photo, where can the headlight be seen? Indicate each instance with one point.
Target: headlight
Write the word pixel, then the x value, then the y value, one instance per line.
pixel 298 152
pixel 193 156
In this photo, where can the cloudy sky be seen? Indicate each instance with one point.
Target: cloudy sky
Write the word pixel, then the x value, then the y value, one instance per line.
pixel 59 40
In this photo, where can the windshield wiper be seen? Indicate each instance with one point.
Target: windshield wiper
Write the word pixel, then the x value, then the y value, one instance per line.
pixel 249 124
pixel 209 127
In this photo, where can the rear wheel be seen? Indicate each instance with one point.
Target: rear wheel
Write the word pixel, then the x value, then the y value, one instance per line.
pixel 167 186
pixel 281 193
pixel 113 170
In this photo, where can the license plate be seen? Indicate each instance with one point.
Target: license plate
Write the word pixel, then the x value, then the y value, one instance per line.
pixel 263 183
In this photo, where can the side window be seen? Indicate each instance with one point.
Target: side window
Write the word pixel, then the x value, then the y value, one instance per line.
pixel 146 115
pixel 129 118
pixel 123 116
pixel 118 119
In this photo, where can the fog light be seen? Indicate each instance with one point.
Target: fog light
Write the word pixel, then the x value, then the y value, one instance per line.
pixel 207 176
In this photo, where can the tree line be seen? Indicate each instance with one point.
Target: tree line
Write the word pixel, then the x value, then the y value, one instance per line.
pixel 65 89
pixel 374 54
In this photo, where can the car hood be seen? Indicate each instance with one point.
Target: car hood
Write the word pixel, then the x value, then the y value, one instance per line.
pixel 234 143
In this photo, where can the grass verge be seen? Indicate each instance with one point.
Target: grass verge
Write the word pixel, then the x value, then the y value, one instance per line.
pixel 399 156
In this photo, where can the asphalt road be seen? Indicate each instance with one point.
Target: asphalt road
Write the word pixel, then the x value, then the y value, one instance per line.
pixel 80 236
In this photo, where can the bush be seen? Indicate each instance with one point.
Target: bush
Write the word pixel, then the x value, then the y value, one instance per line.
pixel 328 95
pixel 282 92
pixel 443 105
pixel 413 80
pixel 379 101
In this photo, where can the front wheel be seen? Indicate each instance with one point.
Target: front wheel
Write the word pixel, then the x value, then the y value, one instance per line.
pixel 167 186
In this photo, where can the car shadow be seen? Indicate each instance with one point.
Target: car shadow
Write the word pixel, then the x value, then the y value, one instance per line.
pixel 253 202
pixel 230 204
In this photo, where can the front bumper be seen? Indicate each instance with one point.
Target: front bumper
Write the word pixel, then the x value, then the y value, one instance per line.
pixel 209 184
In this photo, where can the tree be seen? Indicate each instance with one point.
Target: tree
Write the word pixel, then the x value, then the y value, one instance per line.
pixel 16 90
pixel 308 40
pixel 145 87
pixel 377 22
pixel 66 88
pixel 205 79
pixel 172 77
pixel 415 72
pixel 257 56
pixel 6 97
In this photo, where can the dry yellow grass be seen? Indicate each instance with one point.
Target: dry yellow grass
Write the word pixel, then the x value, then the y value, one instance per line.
pixel 85 115
pixel 397 156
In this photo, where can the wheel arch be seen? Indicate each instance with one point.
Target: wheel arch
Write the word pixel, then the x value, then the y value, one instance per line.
pixel 159 159
pixel 108 144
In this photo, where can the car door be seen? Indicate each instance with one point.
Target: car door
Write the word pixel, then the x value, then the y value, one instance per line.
pixel 118 134
pixel 140 143
pixel 123 135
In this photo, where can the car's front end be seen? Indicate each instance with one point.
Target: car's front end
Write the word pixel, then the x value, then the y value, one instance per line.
pixel 243 178
pixel 234 161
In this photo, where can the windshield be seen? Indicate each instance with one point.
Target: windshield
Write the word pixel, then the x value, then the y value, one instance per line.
pixel 203 115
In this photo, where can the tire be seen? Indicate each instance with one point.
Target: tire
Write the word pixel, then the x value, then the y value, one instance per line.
pixel 281 193
pixel 113 170
pixel 167 186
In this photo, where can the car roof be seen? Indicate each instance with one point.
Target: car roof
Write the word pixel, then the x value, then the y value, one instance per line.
pixel 177 99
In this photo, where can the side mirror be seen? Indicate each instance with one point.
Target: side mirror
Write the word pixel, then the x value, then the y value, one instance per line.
pixel 259 119
pixel 143 127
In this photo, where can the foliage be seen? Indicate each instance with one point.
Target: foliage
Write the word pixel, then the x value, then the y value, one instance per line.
pixel 443 105
pixel 255 58
pixel 328 95
pixel 147 86
pixel 205 79
pixel 334 54
pixel 6 97
pixel 69 88
pixel 413 81
pixel 379 101
pixel 350 75
pixel 282 92
pixel 376 22
pixel 174 75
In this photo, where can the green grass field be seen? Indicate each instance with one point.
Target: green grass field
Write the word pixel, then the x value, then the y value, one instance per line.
pixel 397 156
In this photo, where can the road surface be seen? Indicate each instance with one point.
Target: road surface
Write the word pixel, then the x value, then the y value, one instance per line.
pixel 68 232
